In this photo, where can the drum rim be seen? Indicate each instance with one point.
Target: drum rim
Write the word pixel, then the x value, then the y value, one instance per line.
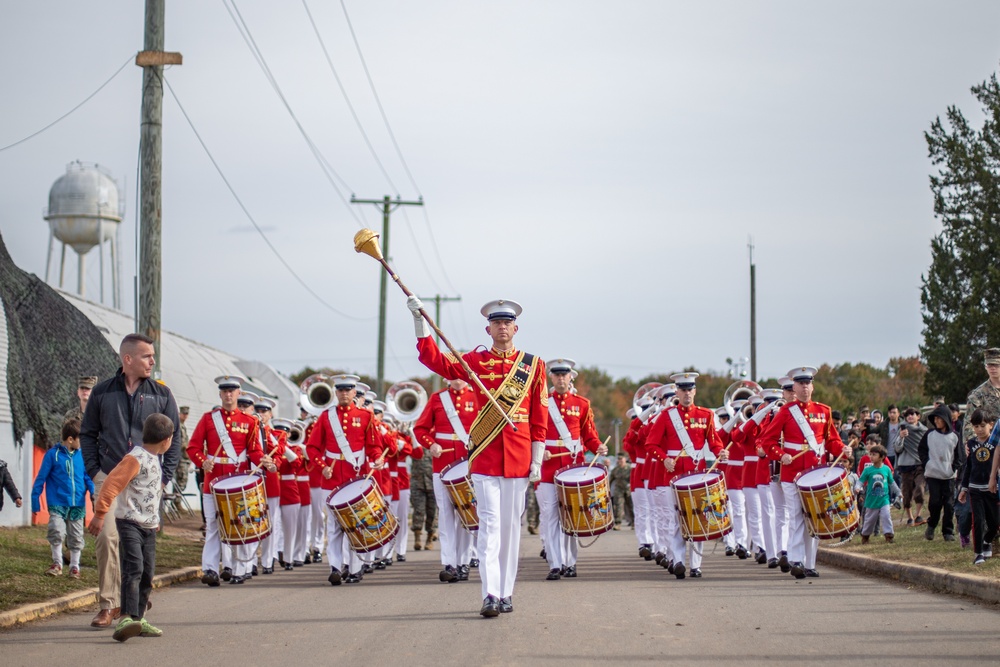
pixel 715 473
pixel 337 489
pixel 603 475
pixel 252 484
pixel 841 478
pixel 453 464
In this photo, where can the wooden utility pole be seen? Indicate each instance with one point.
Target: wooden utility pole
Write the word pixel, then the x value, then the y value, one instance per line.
pixel 753 314
pixel 151 59
pixel 388 205
pixel 438 299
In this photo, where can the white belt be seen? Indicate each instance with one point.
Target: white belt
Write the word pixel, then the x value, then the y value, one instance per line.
pixel 800 446
pixel 222 460
pixel 733 463
pixel 640 460
pixel 288 478
pixel 674 452
pixel 450 437
pixel 302 478
pixel 335 457
pixel 750 458
pixel 559 443
pixel 394 474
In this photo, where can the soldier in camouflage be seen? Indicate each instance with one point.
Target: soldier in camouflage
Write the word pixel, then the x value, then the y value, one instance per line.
pixel 621 497
pixel 531 510
pixel 84 386
pixel 422 500
pixel 184 465
pixel 987 395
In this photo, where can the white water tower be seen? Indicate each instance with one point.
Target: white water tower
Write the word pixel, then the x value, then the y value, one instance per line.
pixel 86 210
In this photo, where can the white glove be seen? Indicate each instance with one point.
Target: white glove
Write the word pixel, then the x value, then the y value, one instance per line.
pixel 730 424
pixel 420 327
pixel 290 455
pixel 535 470
pixel 758 416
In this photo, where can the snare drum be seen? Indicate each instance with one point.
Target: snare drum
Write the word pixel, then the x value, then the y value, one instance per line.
pixel 584 500
pixel 241 508
pixel 828 502
pixel 455 477
pixel 702 506
pixel 362 512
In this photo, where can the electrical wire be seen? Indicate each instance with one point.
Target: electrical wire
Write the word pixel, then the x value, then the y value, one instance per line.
pixel 246 212
pixel 65 115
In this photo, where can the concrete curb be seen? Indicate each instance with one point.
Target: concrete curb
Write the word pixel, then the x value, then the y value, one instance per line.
pixel 934 578
pixel 34 612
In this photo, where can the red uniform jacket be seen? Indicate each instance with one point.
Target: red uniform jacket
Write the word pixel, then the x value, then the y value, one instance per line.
pixel 747 443
pixel 288 473
pixel 433 427
pixel 302 476
pixel 205 442
pixel 579 418
pixel 509 455
pixel 663 442
pixel 636 451
pixel 398 448
pixel 272 439
pixel 362 436
pixel 819 419
pixel 763 465
pixel 733 467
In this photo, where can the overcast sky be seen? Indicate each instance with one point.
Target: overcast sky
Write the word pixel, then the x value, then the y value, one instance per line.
pixel 601 163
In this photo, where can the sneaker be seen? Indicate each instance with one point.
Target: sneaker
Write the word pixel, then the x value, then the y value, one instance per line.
pixel 149 630
pixel 54 570
pixel 74 572
pixel 909 523
pixel 980 559
pixel 919 521
pixel 126 629
pixel 949 538
pixel 988 552
pixel 929 533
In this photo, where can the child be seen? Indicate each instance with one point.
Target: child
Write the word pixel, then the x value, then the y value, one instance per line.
pixel 137 479
pixel 975 486
pixel 66 485
pixel 939 455
pixel 876 480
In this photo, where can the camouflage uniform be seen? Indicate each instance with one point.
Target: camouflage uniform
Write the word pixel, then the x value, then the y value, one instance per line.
pixel 422 495
pixel 621 496
pixel 183 466
pixel 985 397
pixel 531 510
pixel 73 413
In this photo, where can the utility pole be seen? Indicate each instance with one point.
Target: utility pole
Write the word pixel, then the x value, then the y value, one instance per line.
pixel 753 314
pixel 151 60
pixel 388 205
pixel 438 299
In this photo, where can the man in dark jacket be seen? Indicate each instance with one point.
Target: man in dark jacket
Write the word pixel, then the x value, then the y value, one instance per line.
pixel 7 484
pixel 112 425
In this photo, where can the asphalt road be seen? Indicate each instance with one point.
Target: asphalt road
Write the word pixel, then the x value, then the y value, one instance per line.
pixel 620 609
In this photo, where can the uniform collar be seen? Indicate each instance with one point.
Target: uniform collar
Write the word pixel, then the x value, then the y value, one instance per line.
pixel 503 355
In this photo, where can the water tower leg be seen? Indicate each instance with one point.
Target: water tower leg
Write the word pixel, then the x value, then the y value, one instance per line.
pixel 48 258
pixel 62 266
pixel 80 265
pixel 100 250
pixel 115 291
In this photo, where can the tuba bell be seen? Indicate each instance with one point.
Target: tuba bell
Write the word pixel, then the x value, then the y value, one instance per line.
pixel 297 434
pixel 740 390
pixel 405 401
pixel 316 394
pixel 645 391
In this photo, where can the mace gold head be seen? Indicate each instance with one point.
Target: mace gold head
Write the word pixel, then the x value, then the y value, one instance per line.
pixel 366 241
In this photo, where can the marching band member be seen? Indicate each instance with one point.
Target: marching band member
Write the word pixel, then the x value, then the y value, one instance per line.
pixel 732 468
pixel 401 450
pixel 635 446
pixel 224 442
pixel 571 429
pixel 778 495
pixel 304 532
pixel 442 430
pixel 664 515
pixel 751 460
pixel 343 442
pixel 502 460
pixel 809 436
pixel 245 403
pixel 754 428
pixel 678 439
pixel 272 443
pixel 317 502
pixel 289 466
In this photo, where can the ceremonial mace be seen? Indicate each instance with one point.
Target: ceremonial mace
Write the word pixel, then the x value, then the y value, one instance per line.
pixel 366 241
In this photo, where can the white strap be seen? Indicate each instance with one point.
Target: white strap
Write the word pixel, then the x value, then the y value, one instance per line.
pixel 227 442
pixel 567 439
pixel 806 429
pixel 452 414
pixel 351 456
pixel 288 478
pixel 682 434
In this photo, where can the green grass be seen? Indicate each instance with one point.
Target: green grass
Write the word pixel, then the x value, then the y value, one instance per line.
pixel 910 546
pixel 25 555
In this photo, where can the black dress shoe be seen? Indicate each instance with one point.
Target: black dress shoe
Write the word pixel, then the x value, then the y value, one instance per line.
pixel 400 558
pixel 210 578
pixel 645 551
pixel 253 571
pixel 448 575
pixel 669 565
pixel 236 579
pixel 474 563
pixel 658 557
pixel 288 566
pixel 268 570
pixel 308 559
pixel 554 575
pixel 783 562
pixel 798 571
pixel 334 577
pixel 506 605
pixel 317 556
pixel 491 607
pixel 730 551
pixel 761 557
pixel 570 572
pixel 679 570
pixel 297 563
pixel 281 558
pixel 367 568
pixel 542 554
pixel 353 578
pixel 463 572
pixel 741 552
pixel 227 574
pixel 772 563
pixel 696 572
pixel 387 561
pixel 379 564
pixel 811 573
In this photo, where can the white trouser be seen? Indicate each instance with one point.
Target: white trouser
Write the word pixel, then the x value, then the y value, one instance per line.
pixel 338 547
pixel 738 511
pixel 756 530
pixel 767 513
pixel 290 528
pixel 661 513
pixel 802 546
pixel 453 538
pixel 560 549
pixel 500 501
pixel 642 506
pixel 305 531
pixel 780 516
pixel 269 545
pixel 401 508
pixel 277 525
pixel 235 557
pixel 318 510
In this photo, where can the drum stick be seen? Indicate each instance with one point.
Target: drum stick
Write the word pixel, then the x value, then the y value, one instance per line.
pixel 718 460
pixel 447 450
pixel 594 460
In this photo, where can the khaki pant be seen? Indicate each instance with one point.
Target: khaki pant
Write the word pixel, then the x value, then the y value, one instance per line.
pixel 109 576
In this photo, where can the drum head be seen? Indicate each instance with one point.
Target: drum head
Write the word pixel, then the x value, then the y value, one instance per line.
pixel 579 475
pixel 232 482
pixel 696 480
pixel 820 478
pixel 455 471
pixel 349 492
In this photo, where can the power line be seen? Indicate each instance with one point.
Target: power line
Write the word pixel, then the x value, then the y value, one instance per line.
pixel 251 218
pixel 60 118
pixel 327 169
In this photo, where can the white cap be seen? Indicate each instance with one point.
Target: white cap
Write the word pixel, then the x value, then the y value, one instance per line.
pixel 344 381
pixel 802 373
pixel 665 391
pixel 721 412
pixel 362 388
pixel 786 382
pixel 281 424
pixel 771 394
pixel 263 403
pixel 501 309
pixel 379 406
pixel 684 380
pixel 248 397
pixel 229 382
pixel 370 396
pixel 630 413
pixel 756 400
pixel 560 365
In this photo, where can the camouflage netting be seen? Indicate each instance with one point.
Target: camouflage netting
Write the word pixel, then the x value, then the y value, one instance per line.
pixel 51 344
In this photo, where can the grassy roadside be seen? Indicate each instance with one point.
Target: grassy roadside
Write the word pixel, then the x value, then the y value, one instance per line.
pixel 910 546
pixel 25 555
